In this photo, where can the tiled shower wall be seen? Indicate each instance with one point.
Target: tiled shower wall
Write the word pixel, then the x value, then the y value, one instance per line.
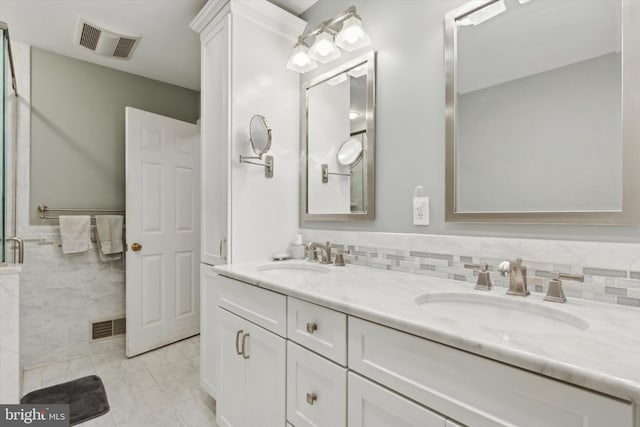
pixel 611 270
pixel 61 294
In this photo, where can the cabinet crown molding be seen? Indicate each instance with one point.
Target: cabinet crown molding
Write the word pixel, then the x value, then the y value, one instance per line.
pixel 262 12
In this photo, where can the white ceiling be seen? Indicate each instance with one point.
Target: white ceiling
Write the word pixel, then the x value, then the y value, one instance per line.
pixel 169 51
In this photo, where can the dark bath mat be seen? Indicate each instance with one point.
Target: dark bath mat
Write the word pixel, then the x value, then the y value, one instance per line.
pixel 85 396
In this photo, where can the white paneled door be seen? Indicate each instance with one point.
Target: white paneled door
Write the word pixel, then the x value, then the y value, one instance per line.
pixel 163 229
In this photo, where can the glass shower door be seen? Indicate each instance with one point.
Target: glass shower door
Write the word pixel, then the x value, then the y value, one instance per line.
pixel 9 91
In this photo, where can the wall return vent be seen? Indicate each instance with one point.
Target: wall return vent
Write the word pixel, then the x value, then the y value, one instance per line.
pixel 105 42
pixel 108 328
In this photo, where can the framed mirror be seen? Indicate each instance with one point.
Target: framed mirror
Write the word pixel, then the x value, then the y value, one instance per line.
pixel 537 127
pixel 338 143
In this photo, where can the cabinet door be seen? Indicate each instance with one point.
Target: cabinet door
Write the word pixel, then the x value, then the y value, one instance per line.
pixel 265 373
pixel 231 371
pixel 373 406
pixel 208 309
pixel 215 66
pixel 316 389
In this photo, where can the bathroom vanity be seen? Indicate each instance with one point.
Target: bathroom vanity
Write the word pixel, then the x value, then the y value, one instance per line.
pixel 302 344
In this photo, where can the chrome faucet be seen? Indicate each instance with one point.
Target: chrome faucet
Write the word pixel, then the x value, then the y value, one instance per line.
pixel 517 277
pixel 325 251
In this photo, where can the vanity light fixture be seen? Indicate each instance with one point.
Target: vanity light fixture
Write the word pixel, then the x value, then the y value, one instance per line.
pixel 300 60
pixel 343 31
pixel 324 49
pixel 484 14
pixel 352 36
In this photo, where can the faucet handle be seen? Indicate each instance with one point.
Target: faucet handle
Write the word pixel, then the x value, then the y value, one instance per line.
pixel 555 293
pixel 504 267
pixel 481 267
pixel 484 280
pixel 339 261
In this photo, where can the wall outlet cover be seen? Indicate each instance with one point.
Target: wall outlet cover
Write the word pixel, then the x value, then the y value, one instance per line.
pixel 420 210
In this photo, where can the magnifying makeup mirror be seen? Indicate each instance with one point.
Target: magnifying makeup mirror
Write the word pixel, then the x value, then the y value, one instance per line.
pixel 260 137
pixel 350 152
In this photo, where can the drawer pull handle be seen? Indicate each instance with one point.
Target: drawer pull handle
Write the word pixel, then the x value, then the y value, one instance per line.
pixel 238 351
pixel 312 327
pixel 244 347
pixel 311 398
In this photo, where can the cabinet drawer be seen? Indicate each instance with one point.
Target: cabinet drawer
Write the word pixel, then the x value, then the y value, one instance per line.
pixel 471 389
pixel 319 329
pixel 316 390
pixel 260 306
pixel 369 401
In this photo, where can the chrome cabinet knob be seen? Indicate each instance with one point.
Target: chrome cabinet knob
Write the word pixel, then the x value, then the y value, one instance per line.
pixel 312 327
pixel 311 398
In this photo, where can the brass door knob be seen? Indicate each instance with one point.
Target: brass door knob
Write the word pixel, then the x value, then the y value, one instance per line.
pixel 136 247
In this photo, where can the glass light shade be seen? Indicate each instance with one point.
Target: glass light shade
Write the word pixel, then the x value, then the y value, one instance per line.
pixel 352 36
pixel 342 77
pixel 300 60
pixel 358 71
pixel 324 49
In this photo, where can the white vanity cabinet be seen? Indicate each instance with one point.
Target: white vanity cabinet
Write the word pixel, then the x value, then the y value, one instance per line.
pixel 316 389
pixel 208 310
pixel 251 355
pixel 252 382
pixel 371 405
pixel 316 383
pixel 471 389
pixel 296 355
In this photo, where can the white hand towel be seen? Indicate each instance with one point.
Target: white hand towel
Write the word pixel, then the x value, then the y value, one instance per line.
pixel 74 231
pixel 109 236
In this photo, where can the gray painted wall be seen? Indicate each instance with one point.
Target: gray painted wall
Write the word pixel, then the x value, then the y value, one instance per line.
pixel 408 36
pixel 77 129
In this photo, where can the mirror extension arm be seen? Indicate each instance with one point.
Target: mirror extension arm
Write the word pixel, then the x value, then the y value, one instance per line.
pixel 326 173
pixel 268 163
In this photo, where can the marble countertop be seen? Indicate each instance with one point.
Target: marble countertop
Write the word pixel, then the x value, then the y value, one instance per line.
pixel 604 358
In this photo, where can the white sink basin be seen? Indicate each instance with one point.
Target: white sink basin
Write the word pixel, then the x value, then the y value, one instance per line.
pixel 511 314
pixel 293 266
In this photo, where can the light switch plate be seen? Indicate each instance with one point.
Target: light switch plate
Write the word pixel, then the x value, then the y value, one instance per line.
pixel 421 210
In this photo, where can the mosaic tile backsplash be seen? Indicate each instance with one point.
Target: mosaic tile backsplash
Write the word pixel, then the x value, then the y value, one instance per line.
pixel 619 284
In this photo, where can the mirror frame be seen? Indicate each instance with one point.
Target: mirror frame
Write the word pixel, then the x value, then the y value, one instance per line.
pixel 370 59
pixel 630 213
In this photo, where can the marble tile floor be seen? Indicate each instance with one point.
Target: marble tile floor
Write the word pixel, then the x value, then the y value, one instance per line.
pixel 156 389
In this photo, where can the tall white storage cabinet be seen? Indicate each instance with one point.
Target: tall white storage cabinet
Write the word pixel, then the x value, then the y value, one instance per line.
pixel 245 216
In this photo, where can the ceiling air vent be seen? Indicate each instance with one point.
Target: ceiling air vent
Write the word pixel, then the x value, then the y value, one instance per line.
pixel 105 42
